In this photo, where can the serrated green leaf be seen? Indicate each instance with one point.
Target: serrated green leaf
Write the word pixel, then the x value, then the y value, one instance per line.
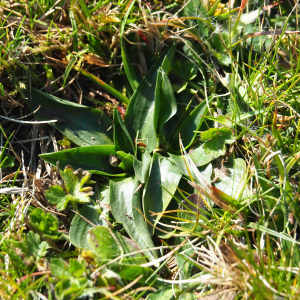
pixel 73 192
pixel 32 246
pixel 45 223
pixel 198 12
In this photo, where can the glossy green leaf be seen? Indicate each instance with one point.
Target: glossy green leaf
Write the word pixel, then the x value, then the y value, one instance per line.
pixel 191 124
pixel 186 69
pixel 178 160
pixel 233 181
pixel 122 138
pixel 129 70
pixel 125 198
pixel 79 226
pixel 160 186
pixel 141 168
pixel 145 102
pixel 95 159
pixel 81 124
pixel 126 162
pixel 168 106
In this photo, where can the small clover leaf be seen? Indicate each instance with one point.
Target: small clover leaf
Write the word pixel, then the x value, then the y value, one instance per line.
pixel 73 191
pixel 45 223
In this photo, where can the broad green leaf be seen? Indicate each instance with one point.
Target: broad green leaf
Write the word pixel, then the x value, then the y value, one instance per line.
pixel 186 69
pixel 160 186
pixel 131 272
pixel 125 199
pixel 57 195
pixel 83 125
pixel 129 70
pixel 79 227
pixel 232 181
pixel 108 244
pixel 168 105
pixel 224 134
pixel 95 159
pixel 126 162
pixel 141 168
pixel 103 242
pixel 59 269
pixel 7 161
pixel 45 223
pixel 164 293
pixel 214 146
pixel 142 114
pixel 73 191
pixel 191 124
pixel 76 268
pixel 178 160
pixel 122 138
